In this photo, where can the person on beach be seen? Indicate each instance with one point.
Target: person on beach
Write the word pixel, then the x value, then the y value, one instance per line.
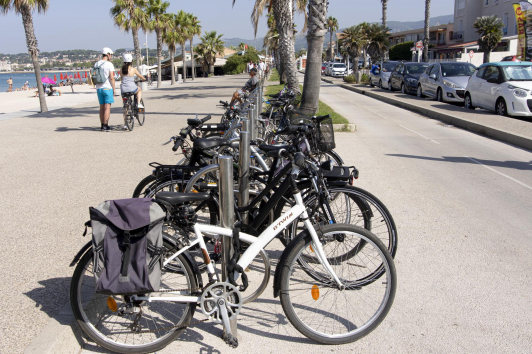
pixel 71 83
pixel 105 91
pixel 26 85
pixel 248 87
pixel 10 83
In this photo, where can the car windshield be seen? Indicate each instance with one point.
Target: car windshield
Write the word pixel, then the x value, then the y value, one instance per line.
pixel 415 68
pixel 340 66
pixel 457 69
pixel 387 67
pixel 518 73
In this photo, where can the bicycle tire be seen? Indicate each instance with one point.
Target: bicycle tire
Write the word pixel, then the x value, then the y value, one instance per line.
pixel 129 121
pixel 94 315
pixel 141 116
pixel 337 324
pixel 370 208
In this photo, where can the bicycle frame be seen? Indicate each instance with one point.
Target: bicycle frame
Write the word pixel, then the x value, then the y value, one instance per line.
pixel 256 245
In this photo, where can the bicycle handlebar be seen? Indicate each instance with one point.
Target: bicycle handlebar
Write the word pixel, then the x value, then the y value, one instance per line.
pixel 203 120
pixel 177 144
pixel 321 118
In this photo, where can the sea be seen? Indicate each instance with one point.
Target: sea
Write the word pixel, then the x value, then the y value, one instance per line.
pixel 20 79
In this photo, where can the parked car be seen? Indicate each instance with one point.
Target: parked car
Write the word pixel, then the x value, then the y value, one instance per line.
pixel 338 69
pixel 323 66
pixel 381 77
pixel 445 82
pixel 329 68
pixel 405 77
pixel 502 87
pixel 510 58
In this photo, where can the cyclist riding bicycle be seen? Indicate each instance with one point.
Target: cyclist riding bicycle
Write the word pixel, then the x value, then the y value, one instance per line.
pixel 127 77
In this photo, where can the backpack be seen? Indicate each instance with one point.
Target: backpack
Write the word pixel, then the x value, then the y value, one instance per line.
pixel 98 75
pixel 128 246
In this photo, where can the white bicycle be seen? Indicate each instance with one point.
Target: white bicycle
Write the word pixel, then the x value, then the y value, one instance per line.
pixel 329 295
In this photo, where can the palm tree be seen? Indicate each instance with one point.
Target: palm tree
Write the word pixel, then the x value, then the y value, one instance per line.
pixel 354 41
pixel 378 42
pixel 211 45
pixel 128 15
pixel 384 12
pixel 170 39
pixel 271 42
pixel 200 50
pixel 159 22
pixel 194 30
pixel 232 47
pixel 182 28
pixel 489 30
pixel 261 5
pixel 426 35
pixel 25 8
pixel 332 25
pixel 242 46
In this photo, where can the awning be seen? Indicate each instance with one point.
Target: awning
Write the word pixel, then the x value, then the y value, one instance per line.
pixel 455 46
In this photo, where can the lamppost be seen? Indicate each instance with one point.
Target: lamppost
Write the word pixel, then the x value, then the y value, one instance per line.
pixel 146 44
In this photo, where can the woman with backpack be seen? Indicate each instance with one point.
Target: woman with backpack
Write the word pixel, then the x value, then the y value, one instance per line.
pixel 127 79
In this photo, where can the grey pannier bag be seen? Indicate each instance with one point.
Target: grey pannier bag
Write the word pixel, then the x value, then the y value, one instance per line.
pixel 128 246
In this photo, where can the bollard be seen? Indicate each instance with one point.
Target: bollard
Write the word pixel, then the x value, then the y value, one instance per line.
pixel 227 216
pixel 258 109
pixel 244 162
pixel 252 121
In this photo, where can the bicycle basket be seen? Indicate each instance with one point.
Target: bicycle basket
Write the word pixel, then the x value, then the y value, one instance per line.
pixel 325 136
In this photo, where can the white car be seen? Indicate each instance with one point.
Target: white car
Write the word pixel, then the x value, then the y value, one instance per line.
pixel 502 87
pixel 338 69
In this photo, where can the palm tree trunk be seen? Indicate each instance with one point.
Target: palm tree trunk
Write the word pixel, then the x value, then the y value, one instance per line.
pixel 172 54
pixel 282 11
pixel 192 58
pixel 159 54
pixel 31 42
pixel 487 53
pixel 330 55
pixel 426 40
pixel 136 44
pixel 317 14
pixel 184 62
pixel 384 12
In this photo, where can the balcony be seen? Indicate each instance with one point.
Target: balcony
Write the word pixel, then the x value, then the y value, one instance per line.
pixel 458 36
pixel 437 42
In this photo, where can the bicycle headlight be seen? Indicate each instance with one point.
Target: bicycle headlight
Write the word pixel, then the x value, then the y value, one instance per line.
pixel 518 91
pixel 451 84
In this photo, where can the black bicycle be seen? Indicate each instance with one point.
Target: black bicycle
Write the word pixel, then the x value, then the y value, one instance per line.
pixel 132 111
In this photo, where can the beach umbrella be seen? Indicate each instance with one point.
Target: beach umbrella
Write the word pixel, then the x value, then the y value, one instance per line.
pixel 55 78
pixel 86 75
pixel 47 80
pixel 61 76
pixel 79 76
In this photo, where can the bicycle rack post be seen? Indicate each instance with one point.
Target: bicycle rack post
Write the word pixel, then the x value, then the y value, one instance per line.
pixel 244 162
pixel 227 216
pixel 252 121
pixel 258 108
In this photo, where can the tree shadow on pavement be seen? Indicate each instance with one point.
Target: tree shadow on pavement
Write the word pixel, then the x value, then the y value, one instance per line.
pixel 517 165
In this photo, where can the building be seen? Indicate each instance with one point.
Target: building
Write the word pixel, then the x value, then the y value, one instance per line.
pixel 178 65
pixel 5 66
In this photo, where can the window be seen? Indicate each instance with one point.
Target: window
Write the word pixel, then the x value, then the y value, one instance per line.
pixel 486 2
pixel 461 27
pixel 457 69
pixel 461 4
pixel 492 72
pixel 429 69
pixel 505 20
pixel 434 71
pixel 481 71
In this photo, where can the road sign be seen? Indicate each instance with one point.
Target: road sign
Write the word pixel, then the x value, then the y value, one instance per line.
pixel 419 45
pixel 471 54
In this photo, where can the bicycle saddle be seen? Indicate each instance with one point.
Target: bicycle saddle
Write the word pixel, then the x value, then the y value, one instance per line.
pixel 210 143
pixel 128 94
pixel 174 198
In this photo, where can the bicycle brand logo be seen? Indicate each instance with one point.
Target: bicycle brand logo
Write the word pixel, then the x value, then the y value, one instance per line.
pixel 282 221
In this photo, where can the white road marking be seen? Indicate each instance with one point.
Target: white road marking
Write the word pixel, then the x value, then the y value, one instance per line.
pixel 435 142
pixel 502 174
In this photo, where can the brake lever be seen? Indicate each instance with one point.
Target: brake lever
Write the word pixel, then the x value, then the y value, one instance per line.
pixel 169 141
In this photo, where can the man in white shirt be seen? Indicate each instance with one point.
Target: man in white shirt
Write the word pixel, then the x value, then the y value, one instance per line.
pixel 105 91
pixel 262 67
pixel 250 66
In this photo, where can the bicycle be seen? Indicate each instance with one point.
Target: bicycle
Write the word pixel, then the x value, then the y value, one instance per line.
pixel 309 291
pixel 131 110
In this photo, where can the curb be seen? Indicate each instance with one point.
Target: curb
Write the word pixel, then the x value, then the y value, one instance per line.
pixel 347 127
pixel 494 133
pixel 61 335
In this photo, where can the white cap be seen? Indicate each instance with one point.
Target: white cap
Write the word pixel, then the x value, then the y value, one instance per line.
pixel 107 50
pixel 128 58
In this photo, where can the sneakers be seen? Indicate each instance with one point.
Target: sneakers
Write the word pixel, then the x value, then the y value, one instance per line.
pixel 140 106
pixel 106 128
pixel 102 128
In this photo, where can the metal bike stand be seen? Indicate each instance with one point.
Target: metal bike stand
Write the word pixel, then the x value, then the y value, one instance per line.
pixel 258 109
pixel 244 162
pixel 252 121
pixel 227 217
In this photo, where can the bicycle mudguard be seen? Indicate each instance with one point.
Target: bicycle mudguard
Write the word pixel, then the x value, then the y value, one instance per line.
pixel 278 269
pixel 80 254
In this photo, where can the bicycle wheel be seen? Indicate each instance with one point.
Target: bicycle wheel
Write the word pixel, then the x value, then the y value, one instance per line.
pixel 141 116
pixel 318 309
pixel 112 330
pixel 129 120
pixel 349 205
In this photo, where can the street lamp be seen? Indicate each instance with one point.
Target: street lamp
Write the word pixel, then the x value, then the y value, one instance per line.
pixel 146 44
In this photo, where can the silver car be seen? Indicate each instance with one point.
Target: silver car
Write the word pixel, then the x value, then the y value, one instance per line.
pixel 445 82
pixel 338 70
pixel 381 77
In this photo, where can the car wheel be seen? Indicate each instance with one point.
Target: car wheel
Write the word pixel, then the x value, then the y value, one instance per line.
pixel 468 103
pixel 390 88
pixel 500 107
pixel 403 88
pixel 371 83
pixel 439 95
pixel 380 84
pixel 419 91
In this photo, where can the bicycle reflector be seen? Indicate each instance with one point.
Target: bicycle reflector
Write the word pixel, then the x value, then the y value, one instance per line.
pixel 311 248
pixel 315 292
pixel 111 303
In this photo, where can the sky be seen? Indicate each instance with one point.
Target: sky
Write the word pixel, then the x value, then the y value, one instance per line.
pixel 82 24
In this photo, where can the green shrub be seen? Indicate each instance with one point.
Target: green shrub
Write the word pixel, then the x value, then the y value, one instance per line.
pixel 364 79
pixel 401 51
pixel 236 64
pixel 350 79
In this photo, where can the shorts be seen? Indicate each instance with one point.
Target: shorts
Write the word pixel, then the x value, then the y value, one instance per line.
pixel 134 92
pixel 105 96
pixel 241 93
